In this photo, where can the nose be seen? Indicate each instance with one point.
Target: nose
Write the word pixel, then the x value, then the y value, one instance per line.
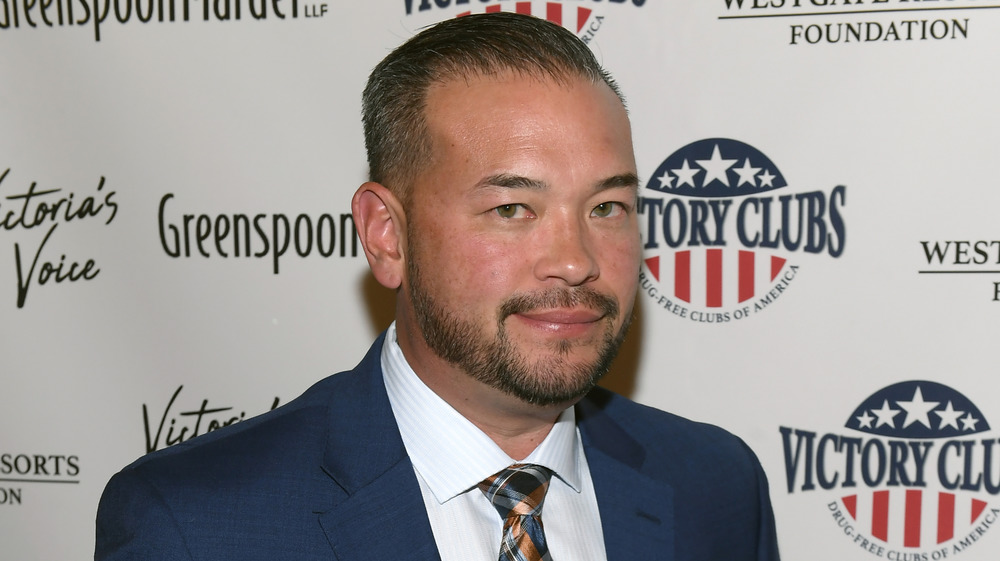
pixel 566 253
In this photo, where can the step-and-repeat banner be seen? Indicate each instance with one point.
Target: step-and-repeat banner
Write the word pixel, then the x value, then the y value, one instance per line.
pixel 819 216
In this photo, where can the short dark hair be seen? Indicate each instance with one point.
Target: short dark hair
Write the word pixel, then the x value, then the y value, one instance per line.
pixel 394 99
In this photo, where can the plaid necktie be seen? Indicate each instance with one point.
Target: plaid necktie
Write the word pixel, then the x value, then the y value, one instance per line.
pixel 518 493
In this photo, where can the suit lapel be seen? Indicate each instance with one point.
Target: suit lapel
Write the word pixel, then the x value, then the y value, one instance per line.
pixel 385 519
pixel 637 511
pixel 375 510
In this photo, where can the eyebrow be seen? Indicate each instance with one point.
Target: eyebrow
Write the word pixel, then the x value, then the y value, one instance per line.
pixel 621 180
pixel 511 181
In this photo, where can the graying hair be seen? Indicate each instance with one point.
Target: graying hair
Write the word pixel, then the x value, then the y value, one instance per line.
pixel 394 99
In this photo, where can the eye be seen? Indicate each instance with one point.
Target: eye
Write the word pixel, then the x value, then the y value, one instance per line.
pixel 510 211
pixel 607 209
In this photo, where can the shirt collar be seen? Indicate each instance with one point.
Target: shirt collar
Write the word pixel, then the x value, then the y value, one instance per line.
pixel 451 453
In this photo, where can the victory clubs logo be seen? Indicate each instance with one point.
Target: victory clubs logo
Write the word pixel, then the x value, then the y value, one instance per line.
pixel 578 17
pixel 910 481
pixel 719 244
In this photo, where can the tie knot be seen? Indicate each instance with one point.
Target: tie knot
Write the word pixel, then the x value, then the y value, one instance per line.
pixel 517 490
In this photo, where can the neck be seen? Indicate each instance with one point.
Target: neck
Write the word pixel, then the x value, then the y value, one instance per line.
pixel 516 430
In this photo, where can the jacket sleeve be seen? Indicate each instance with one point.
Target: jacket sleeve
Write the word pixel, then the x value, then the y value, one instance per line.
pixel 767 541
pixel 134 522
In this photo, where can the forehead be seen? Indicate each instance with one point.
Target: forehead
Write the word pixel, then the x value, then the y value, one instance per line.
pixel 515 93
pixel 479 117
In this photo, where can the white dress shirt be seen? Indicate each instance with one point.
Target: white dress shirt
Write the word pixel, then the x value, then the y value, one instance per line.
pixel 451 456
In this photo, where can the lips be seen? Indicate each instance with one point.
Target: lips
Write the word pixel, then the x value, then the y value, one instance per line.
pixel 562 321
pixel 561 307
pixel 571 316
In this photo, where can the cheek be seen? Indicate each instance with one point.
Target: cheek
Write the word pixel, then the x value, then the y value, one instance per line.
pixel 475 270
pixel 622 258
pixel 493 264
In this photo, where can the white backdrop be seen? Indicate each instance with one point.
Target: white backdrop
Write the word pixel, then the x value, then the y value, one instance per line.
pixel 114 130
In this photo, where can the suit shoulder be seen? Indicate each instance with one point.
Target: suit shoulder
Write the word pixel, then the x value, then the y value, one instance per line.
pixel 667 435
pixel 290 434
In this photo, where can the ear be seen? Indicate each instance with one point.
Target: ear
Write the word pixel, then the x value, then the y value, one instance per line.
pixel 381 225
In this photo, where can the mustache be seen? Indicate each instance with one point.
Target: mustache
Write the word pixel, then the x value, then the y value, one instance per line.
pixel 559 298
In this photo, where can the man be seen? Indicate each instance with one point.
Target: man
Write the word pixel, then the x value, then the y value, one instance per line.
pixel 502 211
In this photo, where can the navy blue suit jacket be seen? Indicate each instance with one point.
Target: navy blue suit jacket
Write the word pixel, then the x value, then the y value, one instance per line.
pixel 327 477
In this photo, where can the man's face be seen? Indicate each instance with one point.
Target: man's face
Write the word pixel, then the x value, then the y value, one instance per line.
pixel 522 237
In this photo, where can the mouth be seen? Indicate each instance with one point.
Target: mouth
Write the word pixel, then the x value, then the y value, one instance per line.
pixel 561 313
pixel 563 322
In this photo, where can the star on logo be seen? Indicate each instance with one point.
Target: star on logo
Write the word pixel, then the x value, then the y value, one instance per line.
pixel 685 175
pixel 767 179
pixel 716 168
pixel 949 417
pixel 666 180
pixel 969 422
pixel 865 421
pixel 885 415
pixel 917 409
pixel 747 174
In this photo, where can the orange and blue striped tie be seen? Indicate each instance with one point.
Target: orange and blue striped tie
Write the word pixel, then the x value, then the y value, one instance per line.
pixel 518 493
